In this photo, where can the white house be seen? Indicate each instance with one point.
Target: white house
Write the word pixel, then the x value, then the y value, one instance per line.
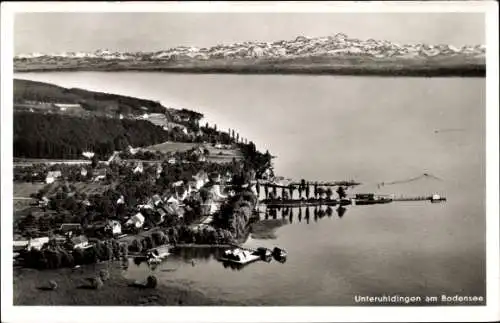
pixel 121 200
pixel 99 174
pixel 137 220
pixel 115 157
pixel 80 242
pixel 115 227
pixel 68 106
pixel 88 154
pixel 201 178
pixel 44 201
pixel 132 150
pixel 172 200
pixel 52 176
pixel 216 190
pixel 156 199
pixel 83 172
pixel 172 160
pixel 178 184
pixel 20 245
pixel 139 168
pixel 37 243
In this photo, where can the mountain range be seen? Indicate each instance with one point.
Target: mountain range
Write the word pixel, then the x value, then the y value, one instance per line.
pixel 336 49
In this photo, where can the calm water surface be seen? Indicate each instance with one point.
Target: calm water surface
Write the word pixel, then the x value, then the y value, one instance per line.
pixel 369 129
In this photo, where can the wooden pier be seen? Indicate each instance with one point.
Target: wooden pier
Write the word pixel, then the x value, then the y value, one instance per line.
pixel 308 183
pixel 293 203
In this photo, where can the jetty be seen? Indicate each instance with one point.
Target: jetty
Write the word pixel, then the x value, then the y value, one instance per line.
pixel 308 183
pixel 383 199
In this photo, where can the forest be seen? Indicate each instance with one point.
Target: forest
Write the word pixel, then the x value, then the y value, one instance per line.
pixel 55 136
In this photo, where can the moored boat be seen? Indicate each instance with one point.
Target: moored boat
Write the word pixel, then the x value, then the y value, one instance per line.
pixel 239 256
pixel 279 254
pixel 157 254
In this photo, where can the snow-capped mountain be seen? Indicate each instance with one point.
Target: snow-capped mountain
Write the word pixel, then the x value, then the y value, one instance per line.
pixel 337 45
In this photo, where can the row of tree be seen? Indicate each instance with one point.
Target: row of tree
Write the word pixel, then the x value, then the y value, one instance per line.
pixel 53 256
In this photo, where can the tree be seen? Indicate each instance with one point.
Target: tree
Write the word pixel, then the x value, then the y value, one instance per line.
pixel 95 161
pixel 321 191
pixel 329 193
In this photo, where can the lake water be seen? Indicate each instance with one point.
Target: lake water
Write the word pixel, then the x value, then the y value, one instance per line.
pixel 371 129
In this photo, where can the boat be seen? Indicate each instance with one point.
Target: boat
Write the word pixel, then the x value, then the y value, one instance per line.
pixel 239 256
pixel 279 254
pixel 156 255
pixel 437 198
pixel 264 253
pixel 370 201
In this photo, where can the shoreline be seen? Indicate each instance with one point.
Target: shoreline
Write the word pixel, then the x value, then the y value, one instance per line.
pixel 418 71
pixel 116 291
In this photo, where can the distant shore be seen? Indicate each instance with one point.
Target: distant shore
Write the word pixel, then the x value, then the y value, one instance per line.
pixel 360 66
pixel 460 71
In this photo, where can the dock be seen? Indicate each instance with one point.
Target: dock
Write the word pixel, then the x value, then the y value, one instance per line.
pixel 273 203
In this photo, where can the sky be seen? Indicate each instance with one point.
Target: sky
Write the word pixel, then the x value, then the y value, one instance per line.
pixel 51 32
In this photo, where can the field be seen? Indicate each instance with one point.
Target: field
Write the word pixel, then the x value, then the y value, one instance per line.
pixel 30 289
pixel 26 189
pixel 23 190
pixel 215 155
pixel 169 146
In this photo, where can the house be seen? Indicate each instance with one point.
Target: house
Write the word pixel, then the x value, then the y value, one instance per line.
pixel 20 245
pixel 159 170
pixel 70 107
pixel 136 220
pixel 43 202
pixel 161 215
pixel 214 207
pixel 216 191
pixel 83 172
pixel 132 150
pixel 185 115
pixel 52 176
pixel 178 184
pixel 172 160
pixel 114 158
pixel 80 242
pixel 70 227
pixel 37 243
pixel 201 178
pixel 156 200
pixel 182 193
pixel 121 200
pixel 139 168
pixel 88 154
pixel 100 174
pixel 114 227
pixel 86 202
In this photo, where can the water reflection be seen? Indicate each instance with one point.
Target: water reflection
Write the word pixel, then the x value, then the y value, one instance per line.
pixel 341 211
